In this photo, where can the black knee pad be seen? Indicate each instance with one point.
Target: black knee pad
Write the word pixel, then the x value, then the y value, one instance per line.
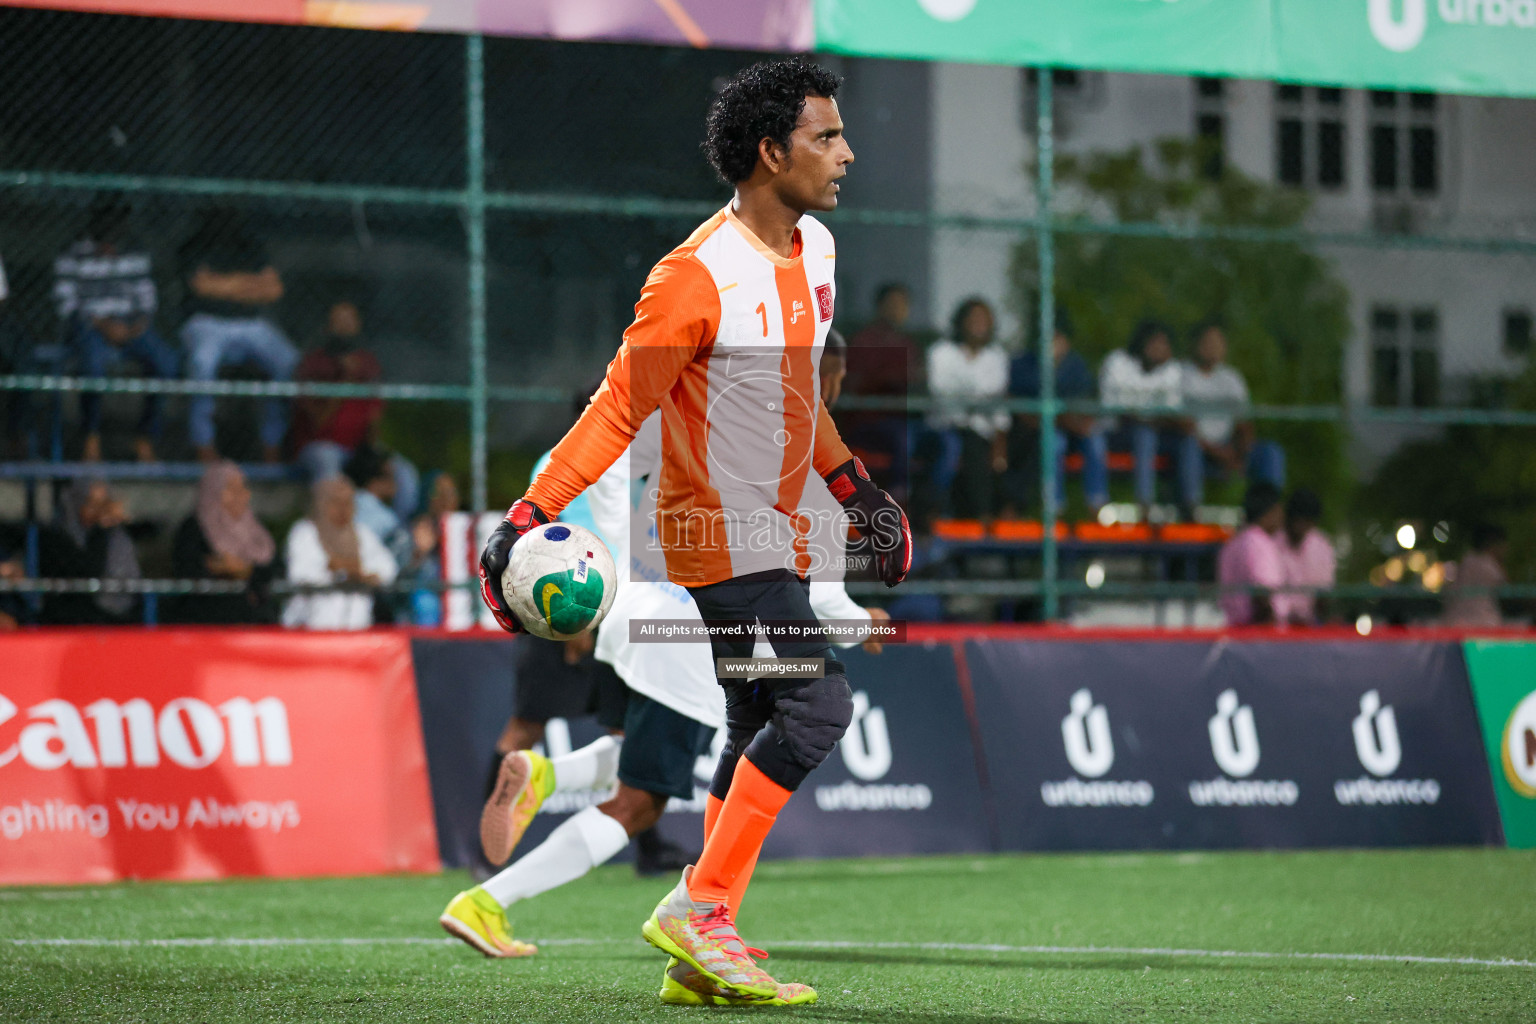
pixel 743 721
pixel 808 721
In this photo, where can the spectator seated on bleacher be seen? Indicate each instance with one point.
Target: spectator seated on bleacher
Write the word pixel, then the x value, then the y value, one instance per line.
pixel 330 548
pixel 223 540
pixel 440 497
pixel 883 362
pixel 1075 431
pixel 327 430
pixel 1227 444
pixel 230 285
pixel 968 447
pixel 88 540
pixel 106 301
pixel 372 473
pixel 1144 375
pixel 1469 596
pixel 16 348
pixel 1308 558
pixel 1251 559
pixel 14 612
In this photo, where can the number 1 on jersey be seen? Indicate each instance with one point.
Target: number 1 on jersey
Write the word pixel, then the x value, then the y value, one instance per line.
pixel 762 311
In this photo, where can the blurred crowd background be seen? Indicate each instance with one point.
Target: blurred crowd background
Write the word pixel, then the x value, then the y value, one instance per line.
pixel 1333 416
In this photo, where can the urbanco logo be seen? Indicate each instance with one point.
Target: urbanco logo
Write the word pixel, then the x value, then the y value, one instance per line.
pixel 1376 740
pixel 1401 34
pixel 866 746
pixel 948 10
pixel 1234 736
pixel 1090 750
pixel 1380 751
pixel 866 752
pixel 1398 34
pixel 1085 734
pixel 1235 745
pixel 1519 747
pixel 190 732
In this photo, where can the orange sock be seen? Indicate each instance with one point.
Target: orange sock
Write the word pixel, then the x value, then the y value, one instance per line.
pixel 736 836
pixel 712 805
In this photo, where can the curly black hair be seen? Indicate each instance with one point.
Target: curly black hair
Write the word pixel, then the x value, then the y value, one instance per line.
pixel 763 101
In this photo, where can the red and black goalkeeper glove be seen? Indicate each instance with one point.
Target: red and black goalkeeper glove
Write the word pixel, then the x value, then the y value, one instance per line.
pixel 875 515
pixel 521 517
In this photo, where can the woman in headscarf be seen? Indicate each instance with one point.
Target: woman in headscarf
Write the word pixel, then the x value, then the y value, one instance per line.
pixel 89 541
pixel 223 540
pixel 330 548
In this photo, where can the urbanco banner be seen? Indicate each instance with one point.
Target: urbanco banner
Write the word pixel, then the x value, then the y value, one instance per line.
pixel 1485 47
pixel 1213 744
pixel 208 754
pixel 1504 687
pixel 902 780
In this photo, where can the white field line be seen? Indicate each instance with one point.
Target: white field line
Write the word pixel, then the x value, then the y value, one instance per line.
pixel 947 947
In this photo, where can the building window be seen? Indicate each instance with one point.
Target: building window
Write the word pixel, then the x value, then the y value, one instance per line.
pixel 1309 136
pixel 1405 357
pixel 1211 125
pixel 1405 143
pixel 1519 326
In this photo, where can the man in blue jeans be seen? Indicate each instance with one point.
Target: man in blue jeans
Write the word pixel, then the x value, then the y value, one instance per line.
pixel 107 300
pixel 1223 442
pixel 1147 384
pixel 1074 430
pixel 230 283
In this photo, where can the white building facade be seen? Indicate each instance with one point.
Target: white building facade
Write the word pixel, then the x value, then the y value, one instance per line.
pixel 1432 326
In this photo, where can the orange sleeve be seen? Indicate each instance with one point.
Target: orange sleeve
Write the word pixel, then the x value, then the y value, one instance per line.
pixel 678 315
pixel 830 451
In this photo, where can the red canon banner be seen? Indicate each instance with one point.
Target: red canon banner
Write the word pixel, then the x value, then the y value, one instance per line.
pixel 193 754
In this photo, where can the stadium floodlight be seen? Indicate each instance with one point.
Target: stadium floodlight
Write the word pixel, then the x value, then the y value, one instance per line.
pixel 1407 536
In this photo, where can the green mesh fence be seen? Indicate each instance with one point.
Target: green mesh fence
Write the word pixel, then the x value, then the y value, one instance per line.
pixel 491 207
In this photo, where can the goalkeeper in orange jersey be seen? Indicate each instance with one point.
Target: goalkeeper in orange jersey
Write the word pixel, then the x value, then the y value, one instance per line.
pixel 726 343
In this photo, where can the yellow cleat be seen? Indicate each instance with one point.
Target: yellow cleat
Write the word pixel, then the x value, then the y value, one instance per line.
pixel 474 916
pixel 523 783
pixel 681 985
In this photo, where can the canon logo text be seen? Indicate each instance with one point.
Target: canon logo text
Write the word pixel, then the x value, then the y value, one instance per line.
pixel 186 731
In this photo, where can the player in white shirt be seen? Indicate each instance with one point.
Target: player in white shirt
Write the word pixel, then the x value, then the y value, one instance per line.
pixel 676 706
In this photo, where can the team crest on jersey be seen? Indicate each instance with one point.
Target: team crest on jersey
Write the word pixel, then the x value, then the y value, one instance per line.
pixel 824 302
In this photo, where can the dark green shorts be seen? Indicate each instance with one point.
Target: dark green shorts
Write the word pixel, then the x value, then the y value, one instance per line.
pixel 660 748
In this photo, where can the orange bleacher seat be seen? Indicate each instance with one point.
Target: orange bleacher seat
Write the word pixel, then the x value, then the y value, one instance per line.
pixel 1025 531
pixel 959 529
pixel 1115 533
pixel 1193 533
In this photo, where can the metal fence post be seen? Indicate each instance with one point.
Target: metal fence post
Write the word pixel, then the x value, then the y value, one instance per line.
pixel 1045 242
pixel 474 202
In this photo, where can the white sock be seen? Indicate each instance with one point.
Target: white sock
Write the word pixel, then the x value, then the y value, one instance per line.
pixel 594 766
pixel 576 847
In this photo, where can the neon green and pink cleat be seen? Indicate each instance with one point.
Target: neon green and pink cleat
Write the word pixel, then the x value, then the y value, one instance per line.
pixel 703 936
pixel 523 782
pixel 681 985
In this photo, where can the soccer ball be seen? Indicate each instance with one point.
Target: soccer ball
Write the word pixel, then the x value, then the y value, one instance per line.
pixel 559 581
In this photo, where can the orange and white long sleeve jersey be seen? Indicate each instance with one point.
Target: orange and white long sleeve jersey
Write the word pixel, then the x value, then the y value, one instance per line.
pixel 726 343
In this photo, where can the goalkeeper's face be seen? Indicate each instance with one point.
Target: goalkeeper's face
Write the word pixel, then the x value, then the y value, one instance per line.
pixel 818 157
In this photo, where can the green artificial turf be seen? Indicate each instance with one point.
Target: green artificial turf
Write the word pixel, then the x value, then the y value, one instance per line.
pixel 868 934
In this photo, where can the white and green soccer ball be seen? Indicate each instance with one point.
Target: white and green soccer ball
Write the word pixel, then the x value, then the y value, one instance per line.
pixel 559 580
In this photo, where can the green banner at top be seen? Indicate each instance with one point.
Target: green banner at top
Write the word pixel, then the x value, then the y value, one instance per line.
pixel 1486 47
